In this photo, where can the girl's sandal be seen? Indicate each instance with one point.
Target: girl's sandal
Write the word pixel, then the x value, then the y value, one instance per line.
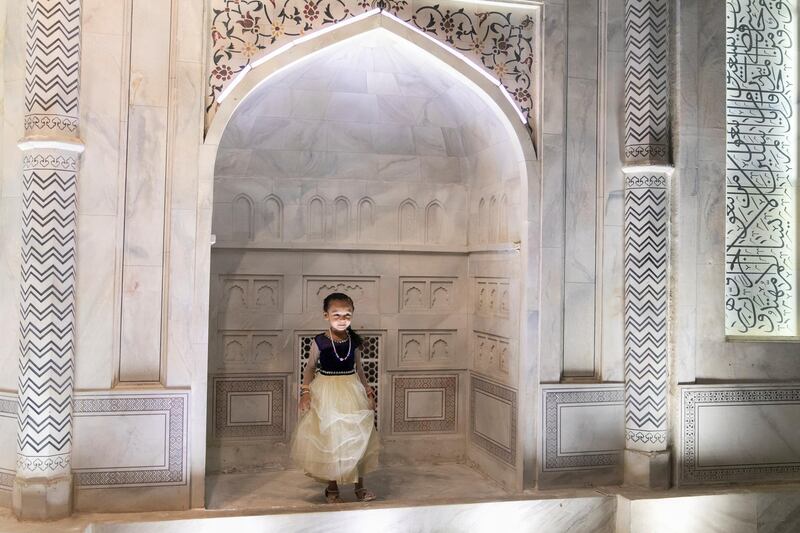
pixel 364 495
pixel 332 496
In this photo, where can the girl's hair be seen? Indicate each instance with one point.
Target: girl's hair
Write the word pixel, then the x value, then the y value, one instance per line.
pixel 358 341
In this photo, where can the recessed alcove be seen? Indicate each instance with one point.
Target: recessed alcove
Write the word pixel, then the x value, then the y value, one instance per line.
pixel 374 168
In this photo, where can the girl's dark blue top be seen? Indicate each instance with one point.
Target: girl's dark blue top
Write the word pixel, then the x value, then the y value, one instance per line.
pixel 328 363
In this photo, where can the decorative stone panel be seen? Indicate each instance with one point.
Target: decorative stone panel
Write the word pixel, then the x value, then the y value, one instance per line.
pixel 8 441
pixel 153 440
pixel 491 353
pixel 426 348
pixel 493 419
pixel 739 433
pixel 420 294
pixel 583 427
pixel 249 302
pixel 425 404
pixel 492 297
pixel 363 290
pixel 500 40
pixel 249 406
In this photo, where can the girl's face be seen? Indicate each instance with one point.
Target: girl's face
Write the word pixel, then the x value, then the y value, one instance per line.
pixel 339 315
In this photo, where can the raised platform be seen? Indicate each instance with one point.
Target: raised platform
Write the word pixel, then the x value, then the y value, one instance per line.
pixel 450 498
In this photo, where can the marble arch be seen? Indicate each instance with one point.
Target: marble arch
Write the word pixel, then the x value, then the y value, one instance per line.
pixel 519 453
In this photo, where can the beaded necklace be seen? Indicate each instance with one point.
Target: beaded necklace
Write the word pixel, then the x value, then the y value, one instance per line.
pixel 333 343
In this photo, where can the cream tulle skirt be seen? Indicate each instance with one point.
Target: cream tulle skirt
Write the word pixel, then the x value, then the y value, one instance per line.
pixel 336 439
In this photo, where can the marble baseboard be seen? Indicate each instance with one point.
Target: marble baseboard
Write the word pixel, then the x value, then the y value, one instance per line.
pixel 577 515
pixel 757 512
pixel 582 435
pixel 739 433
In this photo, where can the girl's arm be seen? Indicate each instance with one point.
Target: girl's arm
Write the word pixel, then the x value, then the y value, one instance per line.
pixel 363 378
pixel 308 377
pixel 311 368
pixel 360 369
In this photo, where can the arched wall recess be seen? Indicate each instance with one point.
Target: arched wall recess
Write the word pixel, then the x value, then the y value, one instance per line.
pixel 242 218
pixel 341 219
pixel 366 219
pixel 408 221
pixel 316 218
pixel 272 217
pixel 434 220
pixel 521 151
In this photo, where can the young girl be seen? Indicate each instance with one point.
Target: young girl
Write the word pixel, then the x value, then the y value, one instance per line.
pixel 335 440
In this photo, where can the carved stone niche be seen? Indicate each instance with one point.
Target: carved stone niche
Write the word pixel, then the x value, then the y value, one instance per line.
pixel 492 354
pixel 250 302
pixel 492 297
pixel 259 351
pixel 424 295
pixel 363 290
pixel 427 348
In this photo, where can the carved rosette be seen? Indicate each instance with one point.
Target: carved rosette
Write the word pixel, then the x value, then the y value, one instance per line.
pixel 50 171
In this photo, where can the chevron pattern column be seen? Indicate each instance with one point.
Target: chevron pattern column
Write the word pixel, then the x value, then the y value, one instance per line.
pixel 43 485
pixel 646 219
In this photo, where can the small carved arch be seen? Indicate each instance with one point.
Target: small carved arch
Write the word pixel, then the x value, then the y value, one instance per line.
pixel 407 221
pixel 341 218
pixel 494 219
pixel 502 233
pixel 366 219
pixel 272 217
pixel 315 226
pixel 483 221
pixel 242 218
pixel 434 222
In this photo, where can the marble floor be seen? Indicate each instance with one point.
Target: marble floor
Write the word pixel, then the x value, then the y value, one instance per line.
pixel 290 489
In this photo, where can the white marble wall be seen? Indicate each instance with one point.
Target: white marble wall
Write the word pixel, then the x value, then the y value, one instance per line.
pixel 582 191
pixel 12 67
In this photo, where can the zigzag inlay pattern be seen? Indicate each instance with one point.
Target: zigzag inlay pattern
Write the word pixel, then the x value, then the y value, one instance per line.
pixel 52 73
pixel 646 82
pixel 46 313
pixel 645 270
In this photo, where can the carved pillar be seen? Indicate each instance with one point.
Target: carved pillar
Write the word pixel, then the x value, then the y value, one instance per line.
pixel 646 224
pixel 43 484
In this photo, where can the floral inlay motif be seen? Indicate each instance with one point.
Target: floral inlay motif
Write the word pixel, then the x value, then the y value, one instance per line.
pixel 501 41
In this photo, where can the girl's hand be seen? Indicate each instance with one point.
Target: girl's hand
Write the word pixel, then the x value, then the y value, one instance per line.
pixel 370 396
pixel 305 402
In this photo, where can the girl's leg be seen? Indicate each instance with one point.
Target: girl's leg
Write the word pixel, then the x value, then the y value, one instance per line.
pixel 363 494
pixel 332 492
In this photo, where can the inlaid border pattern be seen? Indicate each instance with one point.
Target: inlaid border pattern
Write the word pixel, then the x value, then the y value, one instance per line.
pixel 447 382
pixel 692 400
pixel 506 454
pixel 8 409
pixel 500 41
pixel 174 406
pixel 274 384
pixel 553 399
